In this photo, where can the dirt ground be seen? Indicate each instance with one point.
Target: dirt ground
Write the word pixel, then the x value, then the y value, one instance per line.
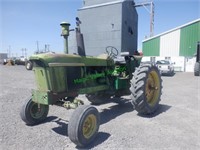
pixel 175 126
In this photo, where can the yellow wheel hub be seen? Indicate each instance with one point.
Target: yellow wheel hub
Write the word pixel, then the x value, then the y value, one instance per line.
pixel 89 126
pixel 152 88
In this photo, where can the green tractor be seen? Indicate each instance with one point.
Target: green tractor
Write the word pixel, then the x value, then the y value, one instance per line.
pixel 118 71
pixel 60 78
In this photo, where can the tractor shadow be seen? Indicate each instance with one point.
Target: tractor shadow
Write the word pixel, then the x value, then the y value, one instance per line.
pixel 162 108
pixel 62 127
pixel 123 106
pixel 101 138
pixel 47 120
pixel 168 75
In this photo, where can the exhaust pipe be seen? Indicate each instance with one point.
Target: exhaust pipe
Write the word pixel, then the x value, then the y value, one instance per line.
pixel 79 38
pixel 65 34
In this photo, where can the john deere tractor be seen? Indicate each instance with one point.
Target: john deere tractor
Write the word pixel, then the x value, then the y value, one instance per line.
pixel 60 78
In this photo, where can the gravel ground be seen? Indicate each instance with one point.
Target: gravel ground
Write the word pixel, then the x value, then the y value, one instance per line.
pixel 176 125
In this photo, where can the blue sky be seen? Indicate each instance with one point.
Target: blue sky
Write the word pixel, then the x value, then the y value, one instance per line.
pixel 23 22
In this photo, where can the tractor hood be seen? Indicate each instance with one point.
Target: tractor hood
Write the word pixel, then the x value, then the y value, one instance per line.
pixel 53 60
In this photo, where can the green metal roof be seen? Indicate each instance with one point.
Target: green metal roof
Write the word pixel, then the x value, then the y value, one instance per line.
pixel 151 47
pixel 179 27
pixel 187 38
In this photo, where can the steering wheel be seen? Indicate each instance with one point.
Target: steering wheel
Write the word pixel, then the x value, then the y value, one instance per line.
pixel 112 51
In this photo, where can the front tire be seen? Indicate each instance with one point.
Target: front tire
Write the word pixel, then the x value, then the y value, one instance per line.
pixel 32 113
pixel 146 87
pixel 84 125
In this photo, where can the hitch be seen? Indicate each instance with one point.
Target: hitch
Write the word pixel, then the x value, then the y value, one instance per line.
pixel 73 105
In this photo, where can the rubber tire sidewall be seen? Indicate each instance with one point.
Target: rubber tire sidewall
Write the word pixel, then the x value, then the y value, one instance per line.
pixel 138 97
pixel 76 124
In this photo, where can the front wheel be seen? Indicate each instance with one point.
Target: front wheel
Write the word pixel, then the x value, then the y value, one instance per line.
pixel 32 113
pixel 146 87
pixel 83 125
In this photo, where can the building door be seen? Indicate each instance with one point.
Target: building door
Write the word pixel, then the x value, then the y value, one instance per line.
pixel 189 64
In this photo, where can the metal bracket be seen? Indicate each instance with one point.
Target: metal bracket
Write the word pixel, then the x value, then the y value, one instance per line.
pixel 73 105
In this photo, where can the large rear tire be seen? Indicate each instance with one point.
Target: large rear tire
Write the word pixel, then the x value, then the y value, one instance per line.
pixel 197 69
pixel 146 87
pixel 83 125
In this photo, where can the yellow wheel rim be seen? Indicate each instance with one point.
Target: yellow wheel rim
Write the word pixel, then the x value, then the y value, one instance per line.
pixel 152 88
pixel 89 126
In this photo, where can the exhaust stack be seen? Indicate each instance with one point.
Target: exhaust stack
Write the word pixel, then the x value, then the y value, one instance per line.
pixel 65 34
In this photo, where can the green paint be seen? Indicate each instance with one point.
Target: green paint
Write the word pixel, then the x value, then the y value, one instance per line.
pixel 41 79
pixel 121 83
pixel 46 59
pixel 100 75
pixel 41 97
pixel 190 35
pixel 55 80
pixel 89 77
pixel 151 47
pixel 93 89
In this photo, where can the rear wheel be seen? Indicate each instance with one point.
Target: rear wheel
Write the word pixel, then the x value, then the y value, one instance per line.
pixel 98 98
pixel 32 113
pixel 197 69
pixel 84 125
pixel 146 86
